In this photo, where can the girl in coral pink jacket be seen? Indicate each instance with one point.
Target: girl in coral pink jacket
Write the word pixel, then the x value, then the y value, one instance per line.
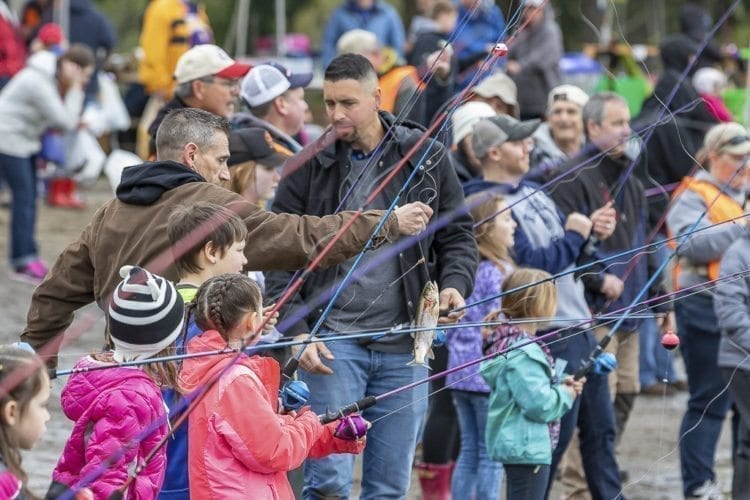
pixel 119 412
pixel 240 445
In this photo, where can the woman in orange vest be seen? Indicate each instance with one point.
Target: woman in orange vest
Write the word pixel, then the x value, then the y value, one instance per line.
pixel 717 194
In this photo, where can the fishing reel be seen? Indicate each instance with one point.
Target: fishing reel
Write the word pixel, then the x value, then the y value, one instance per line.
pixel 294 395
pixel 440 338
pixel 604 364
pixel 351 427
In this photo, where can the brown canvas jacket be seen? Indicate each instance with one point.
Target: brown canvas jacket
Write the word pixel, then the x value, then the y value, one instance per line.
pixel 124 233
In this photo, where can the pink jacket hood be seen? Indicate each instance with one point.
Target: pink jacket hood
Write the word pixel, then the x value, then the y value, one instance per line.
pixel 117 412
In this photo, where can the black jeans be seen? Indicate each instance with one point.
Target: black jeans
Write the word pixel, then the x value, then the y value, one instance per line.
pixel 526 482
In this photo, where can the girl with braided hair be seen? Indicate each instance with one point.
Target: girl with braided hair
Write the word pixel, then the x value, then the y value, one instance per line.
pixel 241 443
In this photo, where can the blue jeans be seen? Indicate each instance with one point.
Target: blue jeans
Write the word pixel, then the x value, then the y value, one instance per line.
pixel 387 459
pixel 655 362
pixel 475 475
pixel 20 175
pixel 699 343
pixel 593 414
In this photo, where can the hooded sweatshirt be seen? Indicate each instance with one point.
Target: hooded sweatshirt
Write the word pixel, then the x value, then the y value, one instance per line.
pixel 117 410
pixel 132 229
pixel 31 103
pixel 240 446
pixel 541 241
pixel 671 146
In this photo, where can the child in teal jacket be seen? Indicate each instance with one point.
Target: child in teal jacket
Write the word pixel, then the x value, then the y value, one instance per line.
pixel 526 399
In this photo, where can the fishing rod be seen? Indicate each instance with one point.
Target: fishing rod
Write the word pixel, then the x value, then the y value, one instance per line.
pixel 370 401
pixel 365 403
pixel 638 251
pixel 293 363
pixel 291 290
pixel 665 105
pixel 587 162
pixel 323 338
pixel 681 241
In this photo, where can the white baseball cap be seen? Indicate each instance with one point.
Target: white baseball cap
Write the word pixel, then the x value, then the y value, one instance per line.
pixel 207 60
pixel 268 81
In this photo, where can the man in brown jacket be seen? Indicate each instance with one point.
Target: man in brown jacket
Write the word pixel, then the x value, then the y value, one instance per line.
pixel 192 152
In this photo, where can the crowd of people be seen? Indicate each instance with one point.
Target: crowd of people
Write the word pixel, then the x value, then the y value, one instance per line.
pixel 544 218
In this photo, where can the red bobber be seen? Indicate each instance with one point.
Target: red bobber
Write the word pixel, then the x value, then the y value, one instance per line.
pixel 670 341
pixel 500 49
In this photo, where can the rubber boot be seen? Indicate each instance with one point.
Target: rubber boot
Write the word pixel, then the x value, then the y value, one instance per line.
pixel 56 193
pixel 72 194
pixel 435 480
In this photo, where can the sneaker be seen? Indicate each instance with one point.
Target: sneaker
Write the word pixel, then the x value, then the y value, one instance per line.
pixel 32 273
pixel 709 490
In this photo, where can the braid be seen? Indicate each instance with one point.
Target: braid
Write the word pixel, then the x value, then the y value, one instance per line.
pixel 224 299
pixel 217 299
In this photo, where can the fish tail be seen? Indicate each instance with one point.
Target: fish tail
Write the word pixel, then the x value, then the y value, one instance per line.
pixel 413 362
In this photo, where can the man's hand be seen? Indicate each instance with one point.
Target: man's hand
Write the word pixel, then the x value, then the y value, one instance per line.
pixel 310 360
pixel 578 223
pixel 612 287
pixel 666 322
pixel 440 62
pixel 413 218
pixel 604 221
pixel 450 299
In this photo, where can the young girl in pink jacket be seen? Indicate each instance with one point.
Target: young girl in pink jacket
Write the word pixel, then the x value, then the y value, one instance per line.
pixel 240 444
pixel 119 412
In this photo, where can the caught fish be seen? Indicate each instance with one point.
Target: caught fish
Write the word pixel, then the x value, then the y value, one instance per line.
pixel 428 311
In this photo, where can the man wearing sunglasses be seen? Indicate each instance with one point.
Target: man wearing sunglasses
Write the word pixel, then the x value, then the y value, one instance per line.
pixel 208 79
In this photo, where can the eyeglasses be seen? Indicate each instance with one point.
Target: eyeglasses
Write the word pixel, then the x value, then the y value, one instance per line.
pixel 229 83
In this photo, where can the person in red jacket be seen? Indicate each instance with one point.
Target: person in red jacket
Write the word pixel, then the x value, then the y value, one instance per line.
pixel 241 444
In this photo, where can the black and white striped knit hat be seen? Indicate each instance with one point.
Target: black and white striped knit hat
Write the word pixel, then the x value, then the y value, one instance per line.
pixel 146 314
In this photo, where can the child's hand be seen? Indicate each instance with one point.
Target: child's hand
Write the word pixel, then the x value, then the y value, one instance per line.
pixel 272 319
pixel 576 386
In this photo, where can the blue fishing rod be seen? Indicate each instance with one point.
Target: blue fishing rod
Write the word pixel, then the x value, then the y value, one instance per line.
pixel 367 402
pixel 682 239
pixel 295 388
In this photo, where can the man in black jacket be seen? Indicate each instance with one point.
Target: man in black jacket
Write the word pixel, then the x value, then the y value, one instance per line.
pixel 367 148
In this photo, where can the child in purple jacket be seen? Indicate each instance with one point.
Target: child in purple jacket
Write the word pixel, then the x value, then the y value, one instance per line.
pixel 476 475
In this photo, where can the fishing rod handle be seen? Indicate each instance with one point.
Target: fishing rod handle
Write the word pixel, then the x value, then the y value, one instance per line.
pixel 586 366
pixel 357 406
pixel 290 367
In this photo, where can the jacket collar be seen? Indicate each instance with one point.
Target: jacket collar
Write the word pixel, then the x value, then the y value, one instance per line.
pixel 405 134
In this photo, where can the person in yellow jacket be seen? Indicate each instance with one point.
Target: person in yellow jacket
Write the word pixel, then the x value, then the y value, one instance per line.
pixel 170 28
pixel 712 196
